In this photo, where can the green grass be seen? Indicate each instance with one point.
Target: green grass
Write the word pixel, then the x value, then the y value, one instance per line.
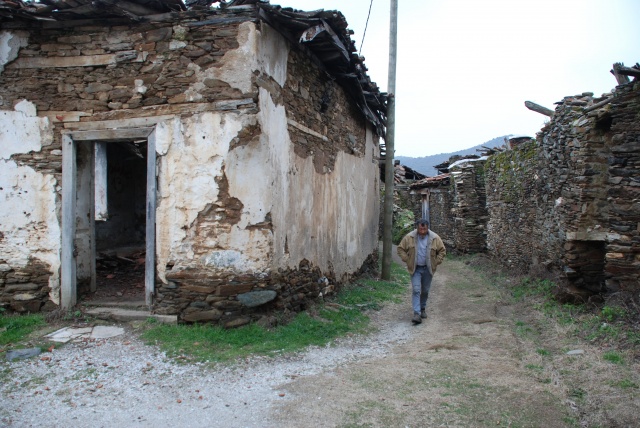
pixel 532 287
pixel 14 328
pixel 318 326
pixel 625 384
pixel 613 357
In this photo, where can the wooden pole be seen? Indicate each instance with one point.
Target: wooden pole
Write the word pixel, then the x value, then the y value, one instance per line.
pixel 387 243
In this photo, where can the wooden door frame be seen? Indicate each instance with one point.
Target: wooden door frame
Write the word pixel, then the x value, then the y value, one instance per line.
pixel 68 278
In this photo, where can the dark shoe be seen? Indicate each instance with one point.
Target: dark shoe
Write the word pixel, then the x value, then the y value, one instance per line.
pixel 423 313
pixel 416 318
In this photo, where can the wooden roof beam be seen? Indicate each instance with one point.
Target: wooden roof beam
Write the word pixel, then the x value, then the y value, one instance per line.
pixel 538 108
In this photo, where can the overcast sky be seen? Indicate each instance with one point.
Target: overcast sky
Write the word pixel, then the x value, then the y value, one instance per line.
pixel 466 67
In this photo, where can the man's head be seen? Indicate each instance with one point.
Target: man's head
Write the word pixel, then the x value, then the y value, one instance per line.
pixel 423 227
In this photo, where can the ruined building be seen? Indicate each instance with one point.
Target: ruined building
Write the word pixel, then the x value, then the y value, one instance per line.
pixel 231 149
pixel 568 201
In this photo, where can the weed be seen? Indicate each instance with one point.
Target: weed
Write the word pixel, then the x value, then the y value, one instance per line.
pixel 543 352
pixel 612 313
pixel 14 328
pixel 625 384
pixel 523 330
pixel 613 357
pixel 578 393
pixel 532 287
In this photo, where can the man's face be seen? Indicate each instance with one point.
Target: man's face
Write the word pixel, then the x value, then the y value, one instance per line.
pixel 423 229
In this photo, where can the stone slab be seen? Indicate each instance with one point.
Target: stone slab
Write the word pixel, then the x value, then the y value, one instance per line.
pixel 21 354
pixel 120 314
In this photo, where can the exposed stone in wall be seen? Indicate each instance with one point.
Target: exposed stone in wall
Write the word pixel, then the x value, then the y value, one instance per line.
pixel 622 259
pixel 439 196
pixel 25 289
pixel 198 296
pixel 512 190
pixel 155 64
pixel 315 101
pixel 442 220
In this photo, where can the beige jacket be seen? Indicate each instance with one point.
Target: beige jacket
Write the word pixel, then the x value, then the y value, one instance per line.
pixel 407 250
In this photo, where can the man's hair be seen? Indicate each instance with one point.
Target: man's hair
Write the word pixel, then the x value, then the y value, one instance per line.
pixel 422 222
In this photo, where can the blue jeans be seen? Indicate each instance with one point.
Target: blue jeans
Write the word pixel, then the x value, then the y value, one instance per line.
pixel 421 284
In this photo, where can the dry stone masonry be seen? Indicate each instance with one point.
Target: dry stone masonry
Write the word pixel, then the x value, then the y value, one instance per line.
pixel 567 201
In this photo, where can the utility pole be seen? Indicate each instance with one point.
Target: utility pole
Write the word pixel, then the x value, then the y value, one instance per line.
pixel 389 144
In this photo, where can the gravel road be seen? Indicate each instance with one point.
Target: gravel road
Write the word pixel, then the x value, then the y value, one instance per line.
pixel 122 382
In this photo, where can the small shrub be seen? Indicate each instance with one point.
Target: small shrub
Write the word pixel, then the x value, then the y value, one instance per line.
pixel 403 223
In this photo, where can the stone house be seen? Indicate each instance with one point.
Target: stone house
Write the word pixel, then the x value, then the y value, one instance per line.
pixel 236 147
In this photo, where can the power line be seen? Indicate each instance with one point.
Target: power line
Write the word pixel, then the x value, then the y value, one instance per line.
pixel 365 28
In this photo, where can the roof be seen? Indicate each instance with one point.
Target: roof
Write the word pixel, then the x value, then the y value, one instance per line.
pixel 435 181
pixel 323 35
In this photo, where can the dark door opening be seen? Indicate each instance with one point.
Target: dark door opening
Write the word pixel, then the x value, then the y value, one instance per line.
pixel 120 185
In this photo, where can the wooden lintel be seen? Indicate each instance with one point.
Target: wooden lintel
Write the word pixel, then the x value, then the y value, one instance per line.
pixel 98 125
pixel 112 134
pixel 77 61
pixel 598 105
pixel 538 108
pixel 149 116
pixel 306 130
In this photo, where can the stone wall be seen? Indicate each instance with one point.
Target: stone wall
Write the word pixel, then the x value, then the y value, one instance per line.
pixel 513 183
pixel 437 194
pixel 566 201
pixel 441 218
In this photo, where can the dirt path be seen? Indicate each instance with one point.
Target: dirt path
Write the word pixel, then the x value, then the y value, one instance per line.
pixel 459 368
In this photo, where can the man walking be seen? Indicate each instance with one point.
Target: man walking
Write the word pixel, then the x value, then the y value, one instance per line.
pixel 422 250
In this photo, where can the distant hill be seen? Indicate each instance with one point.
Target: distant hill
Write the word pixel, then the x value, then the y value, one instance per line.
pixel 425 164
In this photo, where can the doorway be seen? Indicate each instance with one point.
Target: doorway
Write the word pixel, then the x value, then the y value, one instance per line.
pixel 108 216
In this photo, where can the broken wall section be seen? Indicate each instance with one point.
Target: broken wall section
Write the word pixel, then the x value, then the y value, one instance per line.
pixel 469 205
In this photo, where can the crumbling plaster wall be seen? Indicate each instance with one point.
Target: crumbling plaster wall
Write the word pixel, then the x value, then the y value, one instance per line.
pixel 288 210
pixel 259 188
pixel 30 228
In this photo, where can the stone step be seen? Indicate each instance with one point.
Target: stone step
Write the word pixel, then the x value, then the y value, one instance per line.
pixel 125 314
pixel 116 303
